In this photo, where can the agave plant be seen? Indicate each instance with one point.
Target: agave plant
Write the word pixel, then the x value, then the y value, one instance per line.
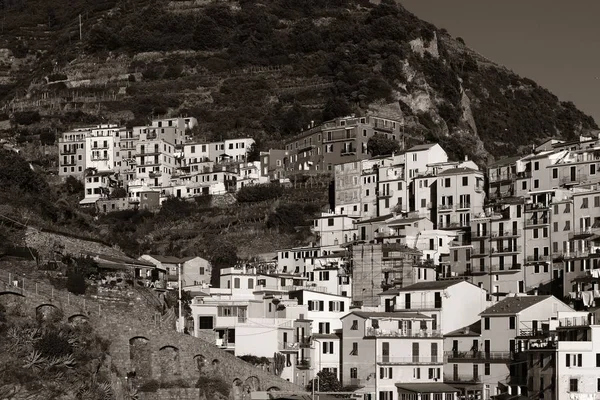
pixel 34 360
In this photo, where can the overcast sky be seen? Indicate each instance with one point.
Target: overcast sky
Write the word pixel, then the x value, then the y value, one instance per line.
pixel 554 42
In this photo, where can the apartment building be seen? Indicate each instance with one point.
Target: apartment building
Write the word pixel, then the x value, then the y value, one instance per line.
pixel 194 270
pixel 393 188
pixel 439 300
pixel 324 309
pixel 418 159
pixel 380 266
pixel 71 153
pixel 385 352
pixel 460 197
pixel 502 175
pixel 338 141
pixel 273 163
pixel 334 229
pixel 236 150
pixel 102 150
pixel 501 325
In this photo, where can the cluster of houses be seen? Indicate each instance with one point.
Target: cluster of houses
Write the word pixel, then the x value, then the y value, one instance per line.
pixel 430 279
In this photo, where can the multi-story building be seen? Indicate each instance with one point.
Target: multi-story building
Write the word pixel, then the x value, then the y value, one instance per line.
pixel 439 300
pixel 460 197
pixel 237 149
pixel 102 149
pixel 71 153
pixel 334 229
pixel 386 352
pixel 273 162
pixel 338 141
pixel 393 189
pixel 501 325
pixel 502 175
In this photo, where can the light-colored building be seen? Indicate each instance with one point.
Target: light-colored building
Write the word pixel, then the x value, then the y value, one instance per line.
pixel 72 153
pixel 334 229
pixel 460 197
pixel 194 270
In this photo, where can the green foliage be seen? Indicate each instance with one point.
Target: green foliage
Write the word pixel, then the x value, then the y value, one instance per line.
pixel 292 217
pixel 379 144
pixel 26 117
pixel 254 153
pixel 76 282
pixel 213 386
pixel 221 255
pixel 327 381
pixel 118 193
pixel 255 360
pixel 256 193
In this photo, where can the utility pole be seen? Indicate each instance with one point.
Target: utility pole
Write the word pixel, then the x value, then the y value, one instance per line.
pixel 80 29
pixel 180 327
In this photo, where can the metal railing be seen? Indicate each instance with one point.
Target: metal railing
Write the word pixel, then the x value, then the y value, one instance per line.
pixel 574 321
pixel 288 346
pixel 541 258
pixel 506 249
pixel 509 233
pixel 410 360
pixel 462 378
pixel 419 305
pixel 408 333
pixel 479 355
pixel 536 221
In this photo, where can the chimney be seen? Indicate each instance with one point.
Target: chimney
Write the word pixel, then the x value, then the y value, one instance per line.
pixel 466 158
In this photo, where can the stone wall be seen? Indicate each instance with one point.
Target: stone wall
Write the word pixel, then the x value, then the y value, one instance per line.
pixel 143 348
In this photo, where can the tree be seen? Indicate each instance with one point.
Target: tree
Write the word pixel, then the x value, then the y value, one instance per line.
pixel 73 185
pixel 221 255
pixel 327 382
pixel 379 145
pixel 253 153
pixel 76 282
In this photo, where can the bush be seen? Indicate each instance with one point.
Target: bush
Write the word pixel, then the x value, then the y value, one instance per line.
pixel 27 117
pixel 257 193
pixel 379 144
pixel 150 386
pixel 76 283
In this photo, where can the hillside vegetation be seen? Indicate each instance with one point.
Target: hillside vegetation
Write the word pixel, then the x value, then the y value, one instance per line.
pixel 268 68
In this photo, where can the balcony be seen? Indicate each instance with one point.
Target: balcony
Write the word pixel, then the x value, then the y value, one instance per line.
pixel 452 225
pixel 134 199
pixel 480 234
pixel 543 345
pixel 529 207
pixel 355 383
pixel 414 305
pixel 499 251
pixel 538 258
pixel 524 175
pixel 100 147
pixel 415 360
pixel 506 234
pixel 155 174
pixel 303 363
pixel 478 356
pixel 403 333
pixel 569 180
pixel 289 347
pixel 505 268
pixel 581 234
pixel 386 193
pixel 463 206
pixel 68 151
pixel 576 254
pixel 448 378
pixel 536 222
pixel 574 322
pixel 584 396
pixel 348 152
pixel 479 189
pixel 504 176
pixel 305 343
pixel 478 251
pixel 445 207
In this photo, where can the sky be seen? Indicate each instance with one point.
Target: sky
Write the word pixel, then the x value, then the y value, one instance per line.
pixel 554 42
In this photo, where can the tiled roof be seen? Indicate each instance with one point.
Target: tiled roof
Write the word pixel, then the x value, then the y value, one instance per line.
pixel 424 146
pixel 514 305
pixel 165 259
pixel 431 285
pixel 375 219
pixel 471 330
pixel 504 161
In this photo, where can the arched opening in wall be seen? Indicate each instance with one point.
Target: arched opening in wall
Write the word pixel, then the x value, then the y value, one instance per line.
pixel 13 303
pixel 78 319
pixel 48 313
pixel 273 389
pixel 237 388
pixel 215 365
pixel 168 361
pixel 200 362
pixel 251 384
pixel 140 356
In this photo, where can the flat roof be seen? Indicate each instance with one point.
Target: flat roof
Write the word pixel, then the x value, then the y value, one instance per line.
pixel 430 285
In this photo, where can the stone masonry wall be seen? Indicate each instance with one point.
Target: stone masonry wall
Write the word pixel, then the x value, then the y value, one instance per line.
pixel 149 350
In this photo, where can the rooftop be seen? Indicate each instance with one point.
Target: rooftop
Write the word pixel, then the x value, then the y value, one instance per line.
pixel 504 161
pixel 471 330
pixel 513 305
pixel 421 147
pixel 457 171
pixel 375 219
pixel 432 285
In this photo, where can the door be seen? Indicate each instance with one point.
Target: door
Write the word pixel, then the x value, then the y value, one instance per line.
pixel 415 352
pixel 455 347
pixel 573 174
pixel 437 300
pixel 385 352
pixel 407 301
pixel 389 305
pixel 363 233
pixel 475 347
pixel 434 352
pixel 285 337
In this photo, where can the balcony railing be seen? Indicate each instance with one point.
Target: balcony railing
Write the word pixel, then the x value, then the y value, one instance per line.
pixel 401 333
pixel 480 234
pixel 503 234
pixel 574 321
pixel 536 206
pixel 348 152
pixel 386 193
pixel 462 378
pixel 155 174
pixel 415 360
pixel 576 254
pixel 303 363
pixel 355 382
pixel 500 268
pixel 503 176
pixel 450 225
pixel 479 355
pixel 567 180
pixel 507 249
pixel 422 305
pixel 536 221
pixel 288 346
pixel 445 207
pixel 538 258
pixel 463 206
pixel 305 342
pixel 524 175
pixel 479 189
pixel 582 233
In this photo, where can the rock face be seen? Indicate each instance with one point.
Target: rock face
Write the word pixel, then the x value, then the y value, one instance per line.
pixel 268 69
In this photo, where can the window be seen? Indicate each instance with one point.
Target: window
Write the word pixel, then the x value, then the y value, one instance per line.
pixel 329 221
pixel 597 359
pixel 486 323
pixel 554 173
pixel 536 166
pixel 236 283
pixel 535 234
pixel 567 208
pixel 327 347
pixel 596 201
pixel 486 369
pixel 465 181
pixel 524 185
pixel 592 169
pixel 354 351
pixel 423 203
pixel 511 322
pixel 386 373
pixel 354 326
pixel 555 226
pixel 353 373
pixel 447 182
pixel 573 385
pixel 205 322
pixel 250 283
pixel 536 183
pixel 584 202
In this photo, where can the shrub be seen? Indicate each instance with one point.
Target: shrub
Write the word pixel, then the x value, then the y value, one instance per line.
pixel 257 193
pixel 149 386
pixel 27 117
pixel 76 283
pixel 379 144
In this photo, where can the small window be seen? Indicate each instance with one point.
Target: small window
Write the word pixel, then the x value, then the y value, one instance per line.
pixel 554 173
pixel 329 221
pixel 573 385
pixel 354 351
pixel 465 181
pixel 511 322
pixel 486 323
pixel 354 326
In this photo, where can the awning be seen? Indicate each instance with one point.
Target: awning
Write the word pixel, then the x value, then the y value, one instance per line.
pixel 89 201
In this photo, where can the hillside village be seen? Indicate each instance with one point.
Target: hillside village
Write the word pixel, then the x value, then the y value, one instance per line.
pixel 430 278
